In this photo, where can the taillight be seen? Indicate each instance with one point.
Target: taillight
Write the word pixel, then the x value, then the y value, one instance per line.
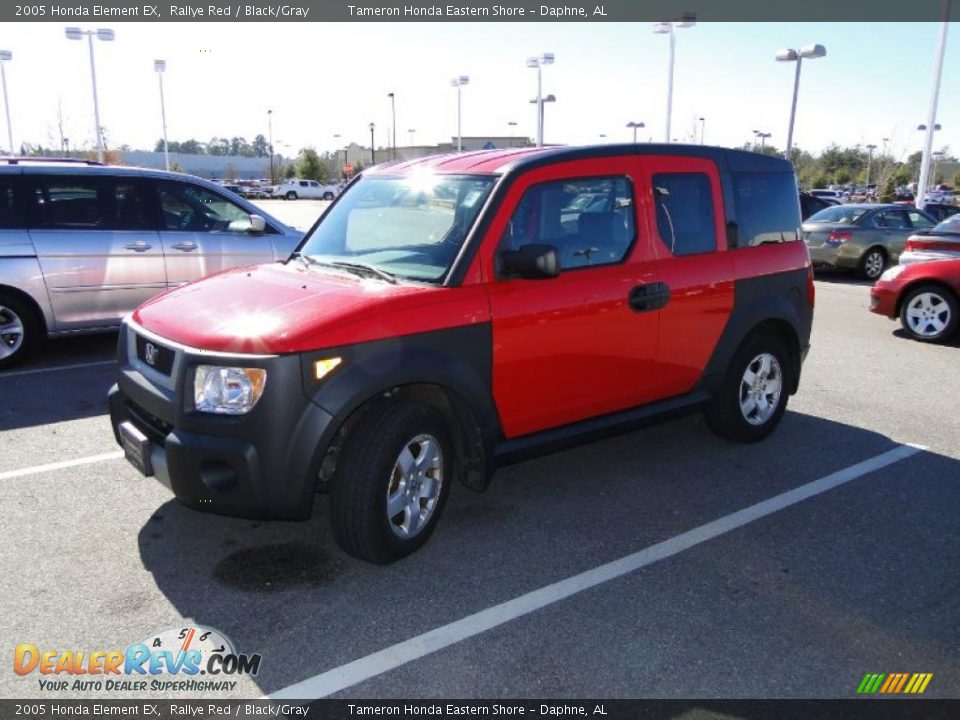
pixel 839 236
pixel 811 289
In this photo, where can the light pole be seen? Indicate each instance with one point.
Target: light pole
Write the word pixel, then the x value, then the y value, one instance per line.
pixel 811 52
pixel 936 155
pixel 66 147
pixel 270 141
pixel 870 149
pixel 703 129
pixel 669 28
pixel 636 126
pixel 373 153
pixel 336 155
pixel 160 66
pixel 393 130
pixel 5 57
pixel 411 131
pixel 932 110
pixel 459 82
pixel 538 62
pixel 763 139
pixel 107 35
pixel 540 102
pixel 511 125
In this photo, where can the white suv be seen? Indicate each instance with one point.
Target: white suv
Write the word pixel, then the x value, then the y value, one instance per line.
pixel 294 188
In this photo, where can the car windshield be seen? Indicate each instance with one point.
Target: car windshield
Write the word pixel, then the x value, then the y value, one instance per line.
pixel 409 226
pixel 950 225
pixel 840 214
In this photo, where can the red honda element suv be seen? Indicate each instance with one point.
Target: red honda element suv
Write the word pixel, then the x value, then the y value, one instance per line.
pixel 451 314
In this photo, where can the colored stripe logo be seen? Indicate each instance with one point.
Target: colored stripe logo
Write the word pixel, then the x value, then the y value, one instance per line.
pixel 894 683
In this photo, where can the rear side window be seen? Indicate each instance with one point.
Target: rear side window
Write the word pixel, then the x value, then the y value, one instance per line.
pixel 90 203
pixel 685 213
pixel 11 210
pixel 768 210
pixel 918 220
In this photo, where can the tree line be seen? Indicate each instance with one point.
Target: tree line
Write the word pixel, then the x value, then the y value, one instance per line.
pixel 218 146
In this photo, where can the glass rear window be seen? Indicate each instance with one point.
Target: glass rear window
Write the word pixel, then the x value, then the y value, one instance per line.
pixel 840 214
pixel 768 208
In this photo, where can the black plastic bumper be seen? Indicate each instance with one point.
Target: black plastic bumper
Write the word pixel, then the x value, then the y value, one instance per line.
pixel 262 465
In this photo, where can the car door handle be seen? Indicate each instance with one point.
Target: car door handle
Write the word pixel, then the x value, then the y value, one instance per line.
pixel 185 246
pixel 644 298
pixel 138 246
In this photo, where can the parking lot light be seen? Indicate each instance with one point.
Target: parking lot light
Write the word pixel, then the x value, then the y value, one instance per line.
pixel 932 127
pixel 393 126
pixel 703 129
pixel 870 149
pixel 635 126
pixel 270 143
pixel 540 102
pixel 373 153
pixel 107 35
pixel 160 67
pixel 5 57
pixel 538 62
pixel 810 52
pixel 458 83
pixel 669 28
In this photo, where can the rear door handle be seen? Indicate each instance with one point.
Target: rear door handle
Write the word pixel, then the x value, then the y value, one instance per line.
pixel 185 246
pixel 643 298
pixel 138 246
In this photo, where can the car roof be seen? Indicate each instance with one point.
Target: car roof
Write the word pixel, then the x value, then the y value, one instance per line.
pixel 504 161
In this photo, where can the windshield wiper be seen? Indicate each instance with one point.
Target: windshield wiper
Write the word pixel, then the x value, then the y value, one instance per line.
pixel 361 267
pixel 307 260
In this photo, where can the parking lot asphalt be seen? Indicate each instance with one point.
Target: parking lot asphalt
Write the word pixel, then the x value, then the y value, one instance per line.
pixel 799 602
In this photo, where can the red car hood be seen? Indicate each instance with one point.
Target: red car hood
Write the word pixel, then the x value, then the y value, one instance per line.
pixel 272 309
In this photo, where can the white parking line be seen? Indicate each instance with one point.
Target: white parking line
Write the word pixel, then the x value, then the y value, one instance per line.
pixel 88 460
pixel 34 371
pixel 390 658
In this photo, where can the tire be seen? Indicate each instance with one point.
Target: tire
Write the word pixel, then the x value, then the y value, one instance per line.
pixel 747 411
pixel 328 196
pixel 930 313
pixel 873 263
pixel 20 330
pixel 291 195
pixel 371 469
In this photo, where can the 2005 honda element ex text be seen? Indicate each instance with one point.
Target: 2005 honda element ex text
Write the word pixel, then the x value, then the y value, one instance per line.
pixel 452 314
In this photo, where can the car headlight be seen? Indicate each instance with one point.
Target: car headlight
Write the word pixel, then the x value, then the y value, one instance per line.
pixel 892 273
pixel 227 390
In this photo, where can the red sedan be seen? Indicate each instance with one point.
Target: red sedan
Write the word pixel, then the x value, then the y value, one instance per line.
pixel 924 295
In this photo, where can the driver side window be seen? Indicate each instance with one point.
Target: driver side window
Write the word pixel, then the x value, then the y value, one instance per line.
pixel 193 208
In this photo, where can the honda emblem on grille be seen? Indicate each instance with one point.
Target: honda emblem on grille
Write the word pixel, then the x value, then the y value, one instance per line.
pixel 150 353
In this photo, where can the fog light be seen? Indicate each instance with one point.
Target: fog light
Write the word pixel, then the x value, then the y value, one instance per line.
pixel 322 368
pixel 227 390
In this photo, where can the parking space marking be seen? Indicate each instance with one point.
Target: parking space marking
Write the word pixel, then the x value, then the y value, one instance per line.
pixel 88 460
pixel 395 656
pixel 34 371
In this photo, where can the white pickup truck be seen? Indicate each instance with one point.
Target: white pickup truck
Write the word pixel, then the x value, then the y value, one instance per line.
pixel 295 188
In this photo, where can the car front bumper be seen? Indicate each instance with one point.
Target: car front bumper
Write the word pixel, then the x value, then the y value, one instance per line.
pixel 261 465
pixel 883 299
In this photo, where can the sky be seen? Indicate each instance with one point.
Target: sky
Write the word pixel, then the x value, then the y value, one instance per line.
pixel 324 79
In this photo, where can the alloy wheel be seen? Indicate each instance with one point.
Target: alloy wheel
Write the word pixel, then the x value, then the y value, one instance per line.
pixel 414 487
pixel 928 315
pixel 760 389
pixel 11 332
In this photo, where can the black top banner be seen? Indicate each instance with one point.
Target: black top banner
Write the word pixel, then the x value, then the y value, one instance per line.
pixel 464 11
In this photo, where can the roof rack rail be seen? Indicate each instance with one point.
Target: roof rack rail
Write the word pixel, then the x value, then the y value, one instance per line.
pixel 76 161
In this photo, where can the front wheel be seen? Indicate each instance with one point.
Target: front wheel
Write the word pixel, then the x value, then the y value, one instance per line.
pixel 873 263
pixel 19 330
pixel 392 482
pixel 753 395
pixel 929 313
pixel 328 196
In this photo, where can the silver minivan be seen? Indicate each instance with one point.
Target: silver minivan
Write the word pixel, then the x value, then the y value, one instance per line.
pixel 83 244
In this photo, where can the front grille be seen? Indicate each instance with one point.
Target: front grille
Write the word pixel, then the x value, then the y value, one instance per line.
pixel 149 424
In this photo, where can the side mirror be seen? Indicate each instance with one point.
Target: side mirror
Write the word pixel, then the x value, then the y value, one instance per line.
pixel 253 224
pixel 536 261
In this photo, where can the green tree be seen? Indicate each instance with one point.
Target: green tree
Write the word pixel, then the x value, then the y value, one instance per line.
pixel 888 192
pixel 310 166
pixel 956 179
